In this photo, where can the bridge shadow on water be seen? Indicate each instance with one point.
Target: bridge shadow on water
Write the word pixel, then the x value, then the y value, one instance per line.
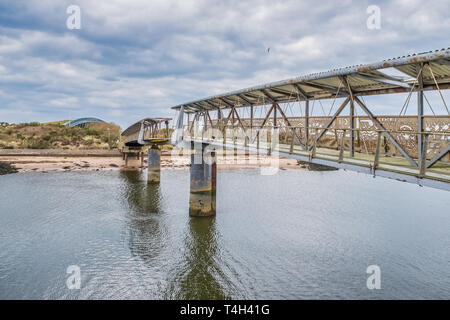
pixel 197 274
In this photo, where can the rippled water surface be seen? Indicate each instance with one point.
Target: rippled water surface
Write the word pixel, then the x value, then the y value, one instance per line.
pixel 294 235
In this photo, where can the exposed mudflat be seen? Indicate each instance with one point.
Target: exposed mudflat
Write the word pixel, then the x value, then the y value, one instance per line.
pixel 99 160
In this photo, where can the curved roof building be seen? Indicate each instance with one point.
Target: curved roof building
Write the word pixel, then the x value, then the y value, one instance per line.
pixel 81 122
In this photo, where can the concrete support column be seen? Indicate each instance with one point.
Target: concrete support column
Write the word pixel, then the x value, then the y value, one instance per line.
pixel 154 164
pixel 202 200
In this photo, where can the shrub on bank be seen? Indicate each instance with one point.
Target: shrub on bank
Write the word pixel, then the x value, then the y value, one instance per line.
pixel 53 135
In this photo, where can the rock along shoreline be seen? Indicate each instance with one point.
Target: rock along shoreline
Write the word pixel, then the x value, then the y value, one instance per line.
pixel 6 168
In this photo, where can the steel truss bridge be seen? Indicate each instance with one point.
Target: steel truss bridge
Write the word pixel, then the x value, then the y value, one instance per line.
pixel 404 147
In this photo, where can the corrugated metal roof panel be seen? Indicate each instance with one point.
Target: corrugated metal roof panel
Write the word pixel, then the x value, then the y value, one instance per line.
pixel 363 79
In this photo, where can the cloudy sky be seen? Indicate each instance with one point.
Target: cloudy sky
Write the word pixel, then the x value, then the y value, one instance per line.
pixel 137 58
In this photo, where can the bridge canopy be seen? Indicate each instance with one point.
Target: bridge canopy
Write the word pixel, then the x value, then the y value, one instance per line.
pixel 146 131
pixel 135 128
pixel 361 80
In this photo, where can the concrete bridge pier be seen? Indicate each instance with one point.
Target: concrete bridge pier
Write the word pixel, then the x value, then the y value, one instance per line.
pixel 154 164
pixel 202 200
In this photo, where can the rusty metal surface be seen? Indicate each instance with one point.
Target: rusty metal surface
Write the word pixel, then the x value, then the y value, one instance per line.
pixel 368 79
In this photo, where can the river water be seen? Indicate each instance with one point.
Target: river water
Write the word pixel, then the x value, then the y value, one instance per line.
pixel 294 235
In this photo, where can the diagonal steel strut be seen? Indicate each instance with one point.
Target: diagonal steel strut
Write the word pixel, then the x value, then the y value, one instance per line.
pixel 385 132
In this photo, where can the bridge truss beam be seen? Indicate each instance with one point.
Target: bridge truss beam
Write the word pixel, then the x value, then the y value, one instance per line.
pixel 415 151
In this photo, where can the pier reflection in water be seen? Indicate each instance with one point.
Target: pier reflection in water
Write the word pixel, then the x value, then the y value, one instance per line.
pixel 143 226
pixel 197 275
pixel 199 279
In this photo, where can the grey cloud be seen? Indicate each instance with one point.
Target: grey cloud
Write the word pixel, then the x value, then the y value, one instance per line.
pixel 137 58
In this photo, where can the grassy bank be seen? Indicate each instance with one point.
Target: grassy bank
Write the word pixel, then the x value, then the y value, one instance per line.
pixel 55 135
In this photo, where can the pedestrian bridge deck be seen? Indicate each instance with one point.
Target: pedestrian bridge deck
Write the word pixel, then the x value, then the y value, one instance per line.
pixel 389 166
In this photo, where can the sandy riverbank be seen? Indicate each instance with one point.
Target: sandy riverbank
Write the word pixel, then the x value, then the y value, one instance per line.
pixel 92 160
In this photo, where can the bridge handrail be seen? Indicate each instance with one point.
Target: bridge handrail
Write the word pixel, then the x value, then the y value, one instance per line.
pixel 445 132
